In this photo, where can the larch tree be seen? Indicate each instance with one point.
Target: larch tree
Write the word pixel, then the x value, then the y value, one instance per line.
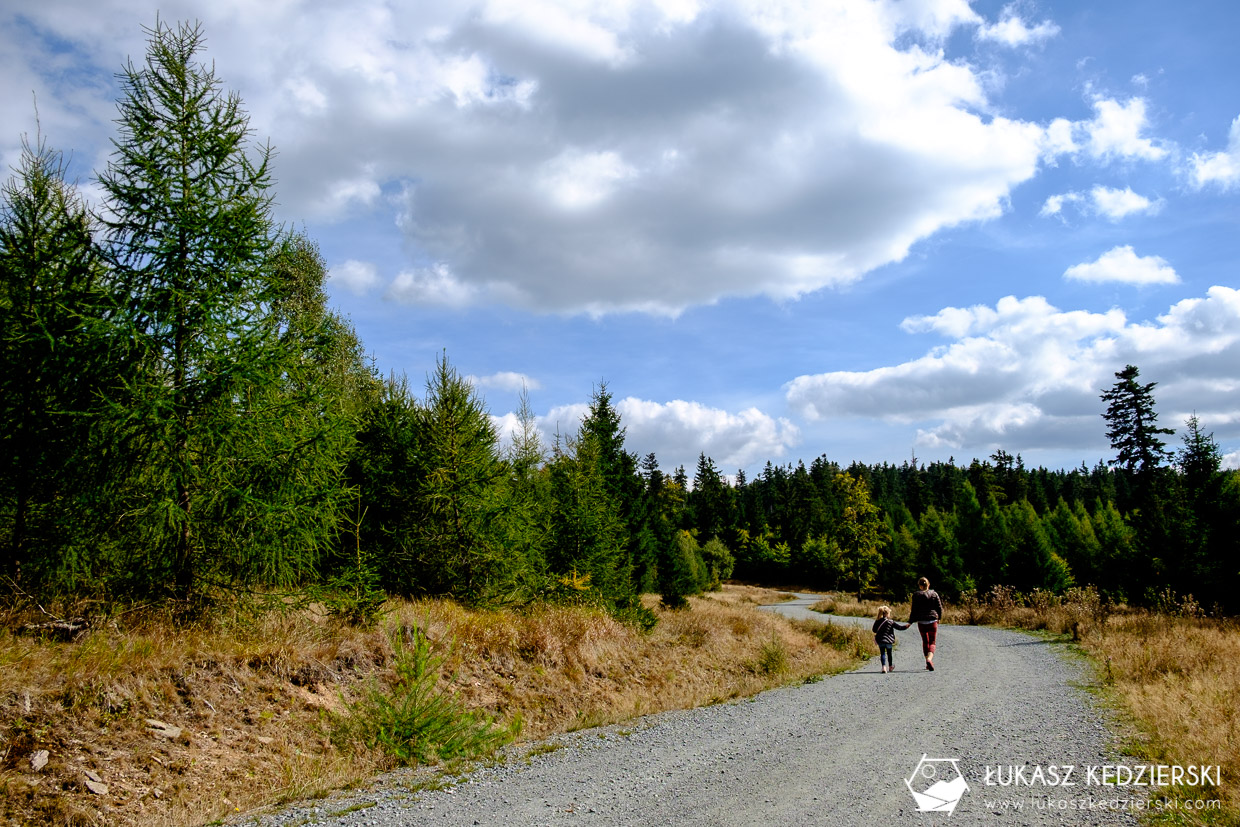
pixel 188 215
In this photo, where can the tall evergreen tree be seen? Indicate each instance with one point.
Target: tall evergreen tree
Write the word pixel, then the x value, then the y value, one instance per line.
pixel 55 356
pixel 858 532
pixel 456 540
pixel 189 233
pixel 1132 423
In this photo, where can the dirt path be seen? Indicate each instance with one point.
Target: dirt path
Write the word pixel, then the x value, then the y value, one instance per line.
pixel 835 752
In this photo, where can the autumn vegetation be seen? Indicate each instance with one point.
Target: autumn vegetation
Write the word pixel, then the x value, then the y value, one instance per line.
pixel 215 515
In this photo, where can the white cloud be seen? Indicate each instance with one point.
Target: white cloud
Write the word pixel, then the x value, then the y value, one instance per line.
pixel 358 277
pixel 1011 30
pixel 579 180
pixel 1121 264
pixel 505 381
pixel 1025 375
pixel 1054 204
pixel 1222 168
pixel 1116 131
pixel 436 286
pixel 573 156
pixel 1108 202
pixel 678 431
pixel 1115 204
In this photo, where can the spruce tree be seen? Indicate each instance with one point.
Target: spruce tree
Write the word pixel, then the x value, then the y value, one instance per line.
pixel 56 357
pixel 1132 423
pixel 456 539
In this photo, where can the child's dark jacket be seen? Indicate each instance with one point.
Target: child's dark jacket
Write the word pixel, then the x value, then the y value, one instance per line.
pixel 885 630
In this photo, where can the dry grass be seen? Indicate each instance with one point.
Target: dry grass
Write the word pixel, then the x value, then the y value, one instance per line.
pixel 1174 673
pixel 1179 679
pixel 255 702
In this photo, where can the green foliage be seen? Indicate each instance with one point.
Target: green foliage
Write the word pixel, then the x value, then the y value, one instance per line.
pixel 682 571
pixel 588 536
pixel 414 721
pixel 57 356
pixel 772 658
pixel 354 596
pixel 1131 422
pixel 455 545
pixel 189 238
pixel 858 531
pixel 819 562
pixel 717 561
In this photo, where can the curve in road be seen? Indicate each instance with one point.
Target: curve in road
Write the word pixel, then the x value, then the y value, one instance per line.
pixel 835 752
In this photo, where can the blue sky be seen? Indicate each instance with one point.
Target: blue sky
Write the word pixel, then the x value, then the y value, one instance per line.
pixel 870 230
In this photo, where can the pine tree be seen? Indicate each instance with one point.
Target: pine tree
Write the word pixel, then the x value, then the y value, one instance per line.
pixel 1200 458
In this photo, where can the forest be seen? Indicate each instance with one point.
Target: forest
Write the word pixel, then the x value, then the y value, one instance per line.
pixel 184 421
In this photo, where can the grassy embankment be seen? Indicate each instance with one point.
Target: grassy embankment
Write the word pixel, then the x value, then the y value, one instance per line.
pixel 139 722
pixel 1175 674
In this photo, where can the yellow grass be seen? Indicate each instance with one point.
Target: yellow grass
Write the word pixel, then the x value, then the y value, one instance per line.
pixel 254 702
pixel 1179 678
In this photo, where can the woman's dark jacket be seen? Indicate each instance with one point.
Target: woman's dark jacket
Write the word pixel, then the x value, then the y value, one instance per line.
pixel 926 606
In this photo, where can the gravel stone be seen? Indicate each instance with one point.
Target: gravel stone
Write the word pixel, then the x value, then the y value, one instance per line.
pixel 833 753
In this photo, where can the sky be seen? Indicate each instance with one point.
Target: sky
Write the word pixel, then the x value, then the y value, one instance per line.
pixel 874 230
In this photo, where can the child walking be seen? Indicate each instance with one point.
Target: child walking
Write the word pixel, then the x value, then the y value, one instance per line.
pixel 885 637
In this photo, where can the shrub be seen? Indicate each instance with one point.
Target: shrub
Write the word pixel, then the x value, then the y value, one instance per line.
pixel 415 722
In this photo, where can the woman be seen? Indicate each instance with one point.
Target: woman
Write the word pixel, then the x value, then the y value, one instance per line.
pixel 926 610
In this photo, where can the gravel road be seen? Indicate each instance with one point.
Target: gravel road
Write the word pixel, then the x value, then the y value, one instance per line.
pixel 835 752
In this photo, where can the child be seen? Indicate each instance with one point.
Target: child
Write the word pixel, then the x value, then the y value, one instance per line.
pixel 885 637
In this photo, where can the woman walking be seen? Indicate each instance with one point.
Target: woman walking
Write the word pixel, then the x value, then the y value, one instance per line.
pixel 926 611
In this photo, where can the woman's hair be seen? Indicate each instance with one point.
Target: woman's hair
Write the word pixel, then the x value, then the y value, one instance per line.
pixel 923 583
pixel 884 611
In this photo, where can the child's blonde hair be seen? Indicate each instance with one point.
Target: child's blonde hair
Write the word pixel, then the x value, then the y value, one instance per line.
pixel 884 611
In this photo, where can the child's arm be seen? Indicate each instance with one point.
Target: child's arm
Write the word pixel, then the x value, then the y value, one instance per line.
pixel 902 626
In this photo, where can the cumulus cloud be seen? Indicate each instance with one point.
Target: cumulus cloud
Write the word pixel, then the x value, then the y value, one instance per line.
pixel 1107 202
pixel 1115 204
pixel 678 431
pixel 358 277
pixel 1012 30
pixel 1054 204
pixel 435 286
pixel 574 157
pixel 1025 375
pixel 1116 131
pixel 1222 168
pixel 1121 264
pixel 506 380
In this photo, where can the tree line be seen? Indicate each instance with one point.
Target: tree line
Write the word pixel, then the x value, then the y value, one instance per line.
pixel 183 419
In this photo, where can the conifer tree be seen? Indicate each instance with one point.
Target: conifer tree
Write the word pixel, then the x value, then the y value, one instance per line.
pixel 189 233
pixel 858 531
pixel 1132 422
pixel 56 355
pixel 456 539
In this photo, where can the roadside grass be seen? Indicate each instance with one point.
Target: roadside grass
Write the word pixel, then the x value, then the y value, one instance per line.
pixel 1175 673
pixel 188 725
